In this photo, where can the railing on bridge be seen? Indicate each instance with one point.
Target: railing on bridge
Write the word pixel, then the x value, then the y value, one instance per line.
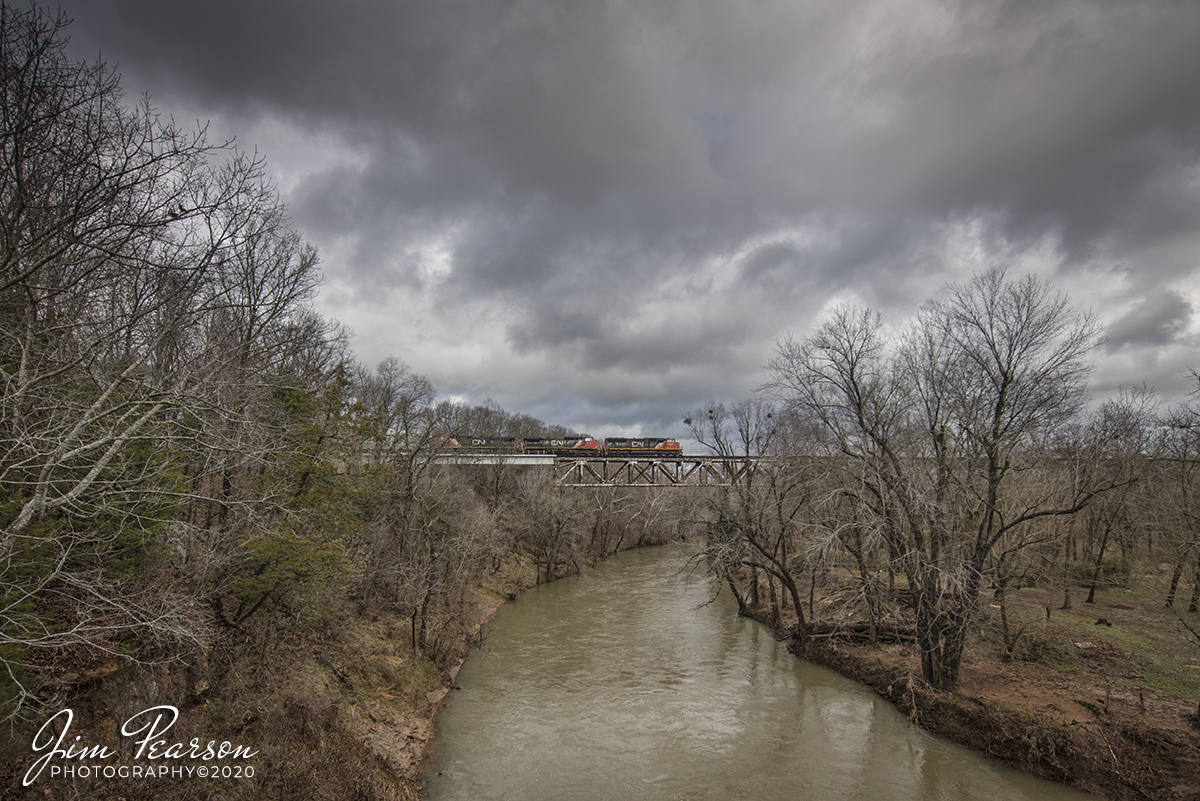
pixel 495 458
pixel 623 471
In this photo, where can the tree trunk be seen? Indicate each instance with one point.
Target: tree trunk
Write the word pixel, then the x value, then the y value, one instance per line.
pixel 1066 577
pixel 1176 575
pixel 737 595
pixel 1091 599
pixel 1194 603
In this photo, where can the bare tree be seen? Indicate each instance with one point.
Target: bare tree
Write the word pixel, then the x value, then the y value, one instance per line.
pixel 936 428
pixel 145 274
pixel 1118 444
pixel 1176 509
pixel 544 520
pixel 753 525
pixel 399 422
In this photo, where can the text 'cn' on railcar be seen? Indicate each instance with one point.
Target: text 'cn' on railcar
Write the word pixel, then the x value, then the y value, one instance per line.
pixel 641 446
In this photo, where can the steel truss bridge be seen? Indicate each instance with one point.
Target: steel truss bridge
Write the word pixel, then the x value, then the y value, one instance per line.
pixel 625 471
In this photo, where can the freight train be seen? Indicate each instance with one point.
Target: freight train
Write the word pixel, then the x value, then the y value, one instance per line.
pixel 581 445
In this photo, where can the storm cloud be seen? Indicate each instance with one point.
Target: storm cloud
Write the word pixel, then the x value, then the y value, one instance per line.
pixel 605 213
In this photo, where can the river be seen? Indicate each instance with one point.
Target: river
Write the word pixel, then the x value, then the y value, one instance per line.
pixel 631 681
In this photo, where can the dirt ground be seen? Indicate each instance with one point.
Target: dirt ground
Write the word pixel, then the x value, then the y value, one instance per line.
pixel 1102 696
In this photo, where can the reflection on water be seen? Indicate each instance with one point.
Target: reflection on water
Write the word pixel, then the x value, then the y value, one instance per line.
pixel 631 682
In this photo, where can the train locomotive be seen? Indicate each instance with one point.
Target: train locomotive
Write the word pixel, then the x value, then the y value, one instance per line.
pixel 581 445
pixel 642 446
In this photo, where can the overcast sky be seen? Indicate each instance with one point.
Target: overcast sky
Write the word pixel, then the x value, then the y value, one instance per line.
pixel 605 213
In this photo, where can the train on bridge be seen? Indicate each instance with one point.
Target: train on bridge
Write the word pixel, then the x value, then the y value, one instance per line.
pixel 582 445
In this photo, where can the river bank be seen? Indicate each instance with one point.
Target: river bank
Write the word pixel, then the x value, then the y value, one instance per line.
pixel 1082 712
pixel 1079 716
pixel 349 710
pixel 1115 753
pixel 342 707
pixel 1065 709
pixel 636 680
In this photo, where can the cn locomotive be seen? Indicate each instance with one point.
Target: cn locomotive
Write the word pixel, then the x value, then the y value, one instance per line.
pixel 581 445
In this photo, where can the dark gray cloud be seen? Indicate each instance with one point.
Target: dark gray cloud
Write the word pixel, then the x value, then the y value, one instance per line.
pixel 1154 321
pixel 609 210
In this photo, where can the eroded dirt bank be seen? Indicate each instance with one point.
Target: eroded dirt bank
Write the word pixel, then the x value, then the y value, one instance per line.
pixel 1114 754
pixel 1069 723
pixel 1072 721
pixel 340 710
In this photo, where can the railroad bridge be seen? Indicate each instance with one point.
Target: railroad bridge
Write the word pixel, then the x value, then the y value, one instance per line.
pixel 625 471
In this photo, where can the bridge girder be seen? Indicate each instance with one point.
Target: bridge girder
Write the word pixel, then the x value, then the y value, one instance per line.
pixel 623 471
pixel 631 471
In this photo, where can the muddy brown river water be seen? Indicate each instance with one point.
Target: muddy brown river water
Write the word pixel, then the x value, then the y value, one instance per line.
pixel 632 681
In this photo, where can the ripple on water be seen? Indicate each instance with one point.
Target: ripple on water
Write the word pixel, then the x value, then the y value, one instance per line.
pixel 625 683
